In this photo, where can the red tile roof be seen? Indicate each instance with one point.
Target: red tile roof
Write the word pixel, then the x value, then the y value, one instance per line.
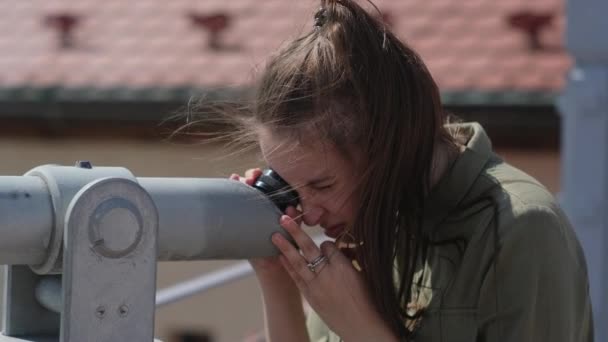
pixel 467 44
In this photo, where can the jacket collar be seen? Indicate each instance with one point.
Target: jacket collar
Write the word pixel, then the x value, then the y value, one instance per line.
pixel 453 186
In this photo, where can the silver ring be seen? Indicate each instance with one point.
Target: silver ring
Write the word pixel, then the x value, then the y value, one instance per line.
pixel 316 262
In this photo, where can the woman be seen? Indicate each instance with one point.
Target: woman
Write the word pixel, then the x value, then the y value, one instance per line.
pixel 450 242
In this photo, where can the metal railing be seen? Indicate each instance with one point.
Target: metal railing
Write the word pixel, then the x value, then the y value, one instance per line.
pixel 203 283
pixel 103 230
pixel 208 281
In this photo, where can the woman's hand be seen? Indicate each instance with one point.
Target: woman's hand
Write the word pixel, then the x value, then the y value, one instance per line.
pixel 269 267
pixel 283 311
pixel 333 288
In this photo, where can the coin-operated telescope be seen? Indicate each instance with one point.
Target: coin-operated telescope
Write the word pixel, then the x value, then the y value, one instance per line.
pixel 81 244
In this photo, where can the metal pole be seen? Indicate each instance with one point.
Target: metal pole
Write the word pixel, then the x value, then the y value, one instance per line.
pixel 584 109
pixel 209 281
pixel 26 220
pixel 203 283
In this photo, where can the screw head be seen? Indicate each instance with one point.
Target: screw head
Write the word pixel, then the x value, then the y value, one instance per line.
pixel 123 310
pixel 100 311
pixel 84 164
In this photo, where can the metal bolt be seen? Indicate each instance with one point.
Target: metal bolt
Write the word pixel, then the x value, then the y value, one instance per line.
pixel 84 164
pixel 123 311
pixel 100 311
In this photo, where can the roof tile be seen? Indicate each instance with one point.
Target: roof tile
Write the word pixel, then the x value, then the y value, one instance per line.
pixel 467 44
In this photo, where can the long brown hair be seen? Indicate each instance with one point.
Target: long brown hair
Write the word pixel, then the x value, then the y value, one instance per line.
pixel 354 84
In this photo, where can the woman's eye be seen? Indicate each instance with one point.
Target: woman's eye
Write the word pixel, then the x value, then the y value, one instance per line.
pixel 323 187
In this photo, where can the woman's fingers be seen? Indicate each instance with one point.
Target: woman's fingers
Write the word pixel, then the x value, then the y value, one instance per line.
pixel 238 178
pixel 252 175
pixel 297 264
pixel 292 272
pixel 330 250
pixel 310 251
pixel 294 214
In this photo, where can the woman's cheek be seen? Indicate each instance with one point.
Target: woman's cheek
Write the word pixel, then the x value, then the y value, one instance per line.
pixel 338 204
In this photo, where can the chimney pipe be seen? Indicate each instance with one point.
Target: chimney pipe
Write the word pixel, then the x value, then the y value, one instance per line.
pixel 64 24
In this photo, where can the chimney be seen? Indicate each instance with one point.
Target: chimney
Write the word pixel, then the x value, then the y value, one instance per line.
pixel 64 24
pixel 531 24
pixel 214 24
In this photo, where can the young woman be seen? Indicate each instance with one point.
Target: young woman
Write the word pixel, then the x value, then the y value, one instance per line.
pixel 450 242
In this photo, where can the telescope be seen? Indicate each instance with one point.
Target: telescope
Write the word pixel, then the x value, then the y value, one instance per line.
pixel 81 243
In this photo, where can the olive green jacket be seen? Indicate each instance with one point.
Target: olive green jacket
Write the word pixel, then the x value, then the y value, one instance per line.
pixel 504 263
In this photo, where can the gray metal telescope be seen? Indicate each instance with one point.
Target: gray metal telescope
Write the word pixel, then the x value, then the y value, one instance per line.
pixel 81 245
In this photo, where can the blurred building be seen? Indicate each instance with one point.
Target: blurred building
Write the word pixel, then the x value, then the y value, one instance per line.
pixel 97 80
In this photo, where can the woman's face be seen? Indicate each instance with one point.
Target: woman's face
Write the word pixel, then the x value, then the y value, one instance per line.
pixel 324 178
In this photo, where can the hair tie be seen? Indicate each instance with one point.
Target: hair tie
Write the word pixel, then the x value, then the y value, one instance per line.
pixel 320 17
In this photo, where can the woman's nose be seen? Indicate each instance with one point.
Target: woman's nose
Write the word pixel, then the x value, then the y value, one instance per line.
pixel 311 215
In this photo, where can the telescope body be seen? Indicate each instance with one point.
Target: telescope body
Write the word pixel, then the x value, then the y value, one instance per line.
pixel 198 218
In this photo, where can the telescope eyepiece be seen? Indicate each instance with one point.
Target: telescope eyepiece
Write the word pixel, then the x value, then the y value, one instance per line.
pixel 279 191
